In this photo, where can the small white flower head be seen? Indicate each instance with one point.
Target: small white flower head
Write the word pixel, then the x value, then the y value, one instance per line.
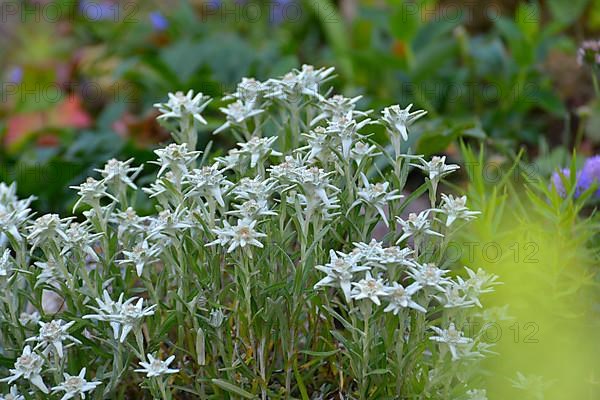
pixel 340 272
pixel 80 238
pixel 13 212
pixel 369 288
pixel 208 182
pixel 454 296
pixel 533 385
pixel 240 235
pixel 479 282
pixel 237 114
pixel 176 158
pixel 91 192
pixel 52 335
pixel 257 149
pixel 437 168
pixel 75 386
pixel 397 256
pixel 53 272
pixel 156 367
pixel 6 263
pixel 216 317
pixel 345 131
pixel 454 208
pixel 28 366
pixel 141 255
pixel 429 275
pixel 416 225
pixel 398 119
pixel 309 79
pixel 123 316
pixel 130 316
pixel 118 173
pixel 48 228
pixel 452 337
pixel 400 297
pixel 13 394
pixel 337 106
pixel 477 394
pixel 362 150
pixel 377 196
pixel 252 209
pixel 368 253
pixel 128 221
pixel 256 188
pixel 249 90
pixel 183 106
pixel 169 223
pixel 29 319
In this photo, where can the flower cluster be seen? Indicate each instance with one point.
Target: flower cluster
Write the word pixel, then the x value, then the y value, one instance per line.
pixel 293 249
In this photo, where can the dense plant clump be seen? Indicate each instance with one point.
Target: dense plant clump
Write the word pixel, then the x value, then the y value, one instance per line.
pixel 287 268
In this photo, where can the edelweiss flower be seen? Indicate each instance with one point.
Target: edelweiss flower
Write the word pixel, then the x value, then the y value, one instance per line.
pixel 117 173
pixel 340 270
pixel 240 235
pixel 436 169
pixel 400 297
pixel 13 212
pixel 428 275
pixel 48 228
pixel 54 272
pixel 452 337
pixel 416 225
pixel 345 130
pixel 141 255
pixel 368 253
pixel 257 149
pixel 398 120
pixel 376 196
pixel 91 192
pixel 397 256
pixel 182 106
pixel 252 209
pixel 208 182
pixel 237 112
pixel 336 106
pixel 123 317
pixel 75 386
pixel 13 394
pixel 454 297
pixel 248 91
pixel 477 394
pixel 27 319
pixel 256 188
pixel 156 367
pixel 28 366
pixel 6 263
pixel 176 158
pixel 310 79
pixel 369 288
pixel 477 284
pixel 454 208
pixel 361 150
pixel 51 335
pixel 79 237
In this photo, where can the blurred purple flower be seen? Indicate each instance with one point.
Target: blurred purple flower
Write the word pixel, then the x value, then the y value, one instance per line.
pixel 98 10
pixel 590 174
pixel 280 12
pixel 557 181
pixel 15 75
pixel 214 4
pixel 159 22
